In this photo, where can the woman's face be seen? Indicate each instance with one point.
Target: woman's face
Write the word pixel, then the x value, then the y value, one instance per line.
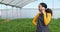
pixel 40 8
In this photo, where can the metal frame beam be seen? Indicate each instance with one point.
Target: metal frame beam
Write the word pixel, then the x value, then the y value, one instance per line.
pixel 10 5
pixel 18 2
pixel 11 1
pixel 2 0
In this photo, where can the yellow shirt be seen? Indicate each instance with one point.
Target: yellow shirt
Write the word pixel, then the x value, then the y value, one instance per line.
pixel 46 19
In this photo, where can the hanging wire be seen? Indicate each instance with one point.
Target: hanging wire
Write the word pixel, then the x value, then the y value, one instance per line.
pixel 20 12
pixel 17 11
pixel 12 12
pixel 1 12
pixel 6 12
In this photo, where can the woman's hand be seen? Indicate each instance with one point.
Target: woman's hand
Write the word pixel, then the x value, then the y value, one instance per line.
pixel 43 10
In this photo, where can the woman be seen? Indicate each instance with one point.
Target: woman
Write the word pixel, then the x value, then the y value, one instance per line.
pixel 43 18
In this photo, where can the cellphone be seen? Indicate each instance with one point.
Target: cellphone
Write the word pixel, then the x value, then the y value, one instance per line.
pixel 43 8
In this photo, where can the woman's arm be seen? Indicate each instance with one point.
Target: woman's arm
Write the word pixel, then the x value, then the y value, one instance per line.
pixel 47 19
pixel 35 19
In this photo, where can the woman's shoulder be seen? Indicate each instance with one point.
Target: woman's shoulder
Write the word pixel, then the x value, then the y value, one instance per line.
pixel 38 14
pixel 49 14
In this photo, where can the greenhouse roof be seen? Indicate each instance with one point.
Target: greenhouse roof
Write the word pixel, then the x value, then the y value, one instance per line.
pixel 16 3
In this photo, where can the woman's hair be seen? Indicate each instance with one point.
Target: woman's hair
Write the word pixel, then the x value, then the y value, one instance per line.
pixel 43 5
pixel 48 10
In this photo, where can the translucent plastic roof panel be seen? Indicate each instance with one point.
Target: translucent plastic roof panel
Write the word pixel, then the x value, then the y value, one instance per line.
pixel 24 3
pixel 6 1
pixel 0 0
pixel 16 3
pixel 21 2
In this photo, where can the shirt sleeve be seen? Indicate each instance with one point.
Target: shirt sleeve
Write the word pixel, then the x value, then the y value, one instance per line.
pixel 47 19
pixel 35 19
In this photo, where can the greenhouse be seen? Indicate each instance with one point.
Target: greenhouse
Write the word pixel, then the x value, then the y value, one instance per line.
pixel 17 15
